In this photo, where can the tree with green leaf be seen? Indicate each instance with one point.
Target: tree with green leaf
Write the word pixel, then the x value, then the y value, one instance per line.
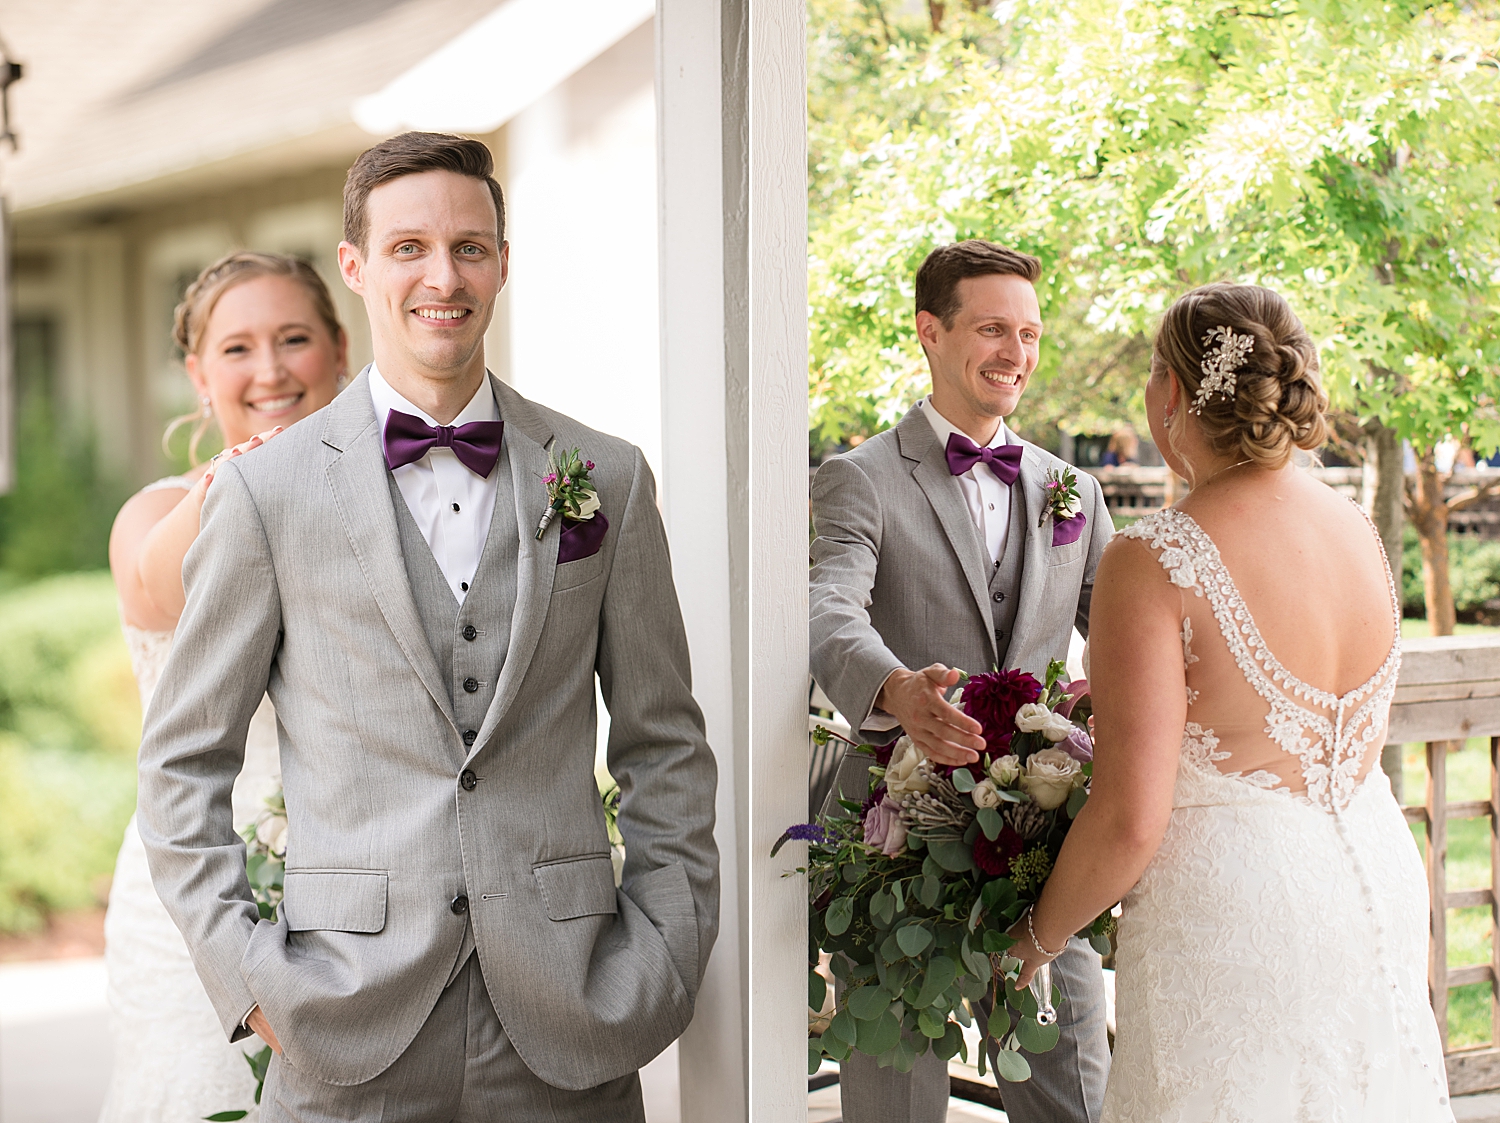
pixel 1343 152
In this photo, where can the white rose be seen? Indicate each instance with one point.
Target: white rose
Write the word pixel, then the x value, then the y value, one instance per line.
pixel 1005 770
pixel 906 774
pixel 587 506
pixel 1032 717
pixel 1049 778
pixel 1057 728
pixel 985 794
pixel 271 832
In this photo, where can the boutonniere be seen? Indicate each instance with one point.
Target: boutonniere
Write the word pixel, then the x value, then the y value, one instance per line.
pixel 570 491
pixel 1061 496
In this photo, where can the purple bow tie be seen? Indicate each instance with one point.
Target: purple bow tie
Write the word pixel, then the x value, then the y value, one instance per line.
pixel 408 439
pixel 1004 461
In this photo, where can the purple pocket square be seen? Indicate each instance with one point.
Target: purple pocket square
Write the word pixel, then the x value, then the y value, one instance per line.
pixel 1066 532
pixel 581 540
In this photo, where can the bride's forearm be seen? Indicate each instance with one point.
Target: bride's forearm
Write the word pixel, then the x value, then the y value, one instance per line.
pixel 1106 851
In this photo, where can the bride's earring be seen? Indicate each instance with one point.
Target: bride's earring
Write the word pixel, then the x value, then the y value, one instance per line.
pixel 343 380
pixel 206 407
pixel 1166 418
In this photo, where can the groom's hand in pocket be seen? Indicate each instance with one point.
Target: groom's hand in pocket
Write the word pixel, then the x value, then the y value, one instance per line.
pixel 262 1029
pixel 916 699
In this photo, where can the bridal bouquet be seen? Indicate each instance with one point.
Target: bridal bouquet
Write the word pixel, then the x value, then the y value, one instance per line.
pixel 915 889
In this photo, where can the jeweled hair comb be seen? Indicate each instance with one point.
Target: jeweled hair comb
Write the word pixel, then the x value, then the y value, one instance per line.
pixel 1220 362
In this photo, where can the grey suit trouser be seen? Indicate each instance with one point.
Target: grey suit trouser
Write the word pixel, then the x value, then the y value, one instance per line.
pixel 1066 1085
pixel 460 1068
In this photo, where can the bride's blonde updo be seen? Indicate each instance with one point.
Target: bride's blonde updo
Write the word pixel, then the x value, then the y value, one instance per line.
pixel 1278 403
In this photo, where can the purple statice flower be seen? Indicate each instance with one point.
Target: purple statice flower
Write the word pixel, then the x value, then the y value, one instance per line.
pixel 806 832
pixel 589 464
pixel 550 478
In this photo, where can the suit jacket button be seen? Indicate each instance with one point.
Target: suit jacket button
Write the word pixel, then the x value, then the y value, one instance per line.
pixel 460 905
pixel 467 780
pixel 470 735
pixel 468 633
pixel 471 685
pixel 999 597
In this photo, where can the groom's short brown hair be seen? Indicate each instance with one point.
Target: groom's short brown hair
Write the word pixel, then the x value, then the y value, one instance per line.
pixel 937 279
pixel 409 154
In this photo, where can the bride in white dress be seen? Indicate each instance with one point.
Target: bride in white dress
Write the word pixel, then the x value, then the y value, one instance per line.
pixel 264 348
pixel 1244 649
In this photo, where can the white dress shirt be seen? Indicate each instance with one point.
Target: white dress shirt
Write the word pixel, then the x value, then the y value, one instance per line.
pixel 451 505
pixel 986 497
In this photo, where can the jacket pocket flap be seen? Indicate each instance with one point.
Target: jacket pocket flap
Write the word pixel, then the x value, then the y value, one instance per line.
pixel 578 887
pixel 335 900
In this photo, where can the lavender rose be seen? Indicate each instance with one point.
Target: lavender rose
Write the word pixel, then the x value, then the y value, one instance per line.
pixel 884 828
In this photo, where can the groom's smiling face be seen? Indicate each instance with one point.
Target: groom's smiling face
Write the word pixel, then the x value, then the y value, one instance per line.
pixel 982 360
pixel 430 272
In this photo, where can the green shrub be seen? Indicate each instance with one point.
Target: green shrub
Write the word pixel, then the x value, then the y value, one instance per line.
pixel 65 678
pixel 69 725
pixel 62 815
pixel 1473 570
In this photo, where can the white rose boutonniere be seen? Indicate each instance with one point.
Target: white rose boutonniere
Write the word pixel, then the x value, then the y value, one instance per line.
pixel 1050 777
pixel 907 770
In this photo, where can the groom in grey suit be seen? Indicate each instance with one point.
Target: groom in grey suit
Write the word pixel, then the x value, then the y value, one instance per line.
pixel 452 944
pixel 935 551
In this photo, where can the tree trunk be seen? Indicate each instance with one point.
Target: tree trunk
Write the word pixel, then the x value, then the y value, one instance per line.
pixel 935 11
pixel 1429 511
pixel 1383 461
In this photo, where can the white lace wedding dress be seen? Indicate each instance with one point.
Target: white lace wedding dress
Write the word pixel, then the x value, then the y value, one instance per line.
pixel 172 1061
pixel 1272 959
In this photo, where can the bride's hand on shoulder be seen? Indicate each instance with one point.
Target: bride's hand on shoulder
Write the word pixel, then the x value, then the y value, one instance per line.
pixel 150 538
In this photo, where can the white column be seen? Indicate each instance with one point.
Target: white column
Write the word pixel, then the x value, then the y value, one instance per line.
pixel 698 513
pixel 773 71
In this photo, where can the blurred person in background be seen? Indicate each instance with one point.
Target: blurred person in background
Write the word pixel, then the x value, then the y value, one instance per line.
pixel 264 348
pixel 1124 448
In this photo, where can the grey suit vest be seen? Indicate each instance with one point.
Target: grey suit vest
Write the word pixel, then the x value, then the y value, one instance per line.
pixel 469 641
pixel 1005 577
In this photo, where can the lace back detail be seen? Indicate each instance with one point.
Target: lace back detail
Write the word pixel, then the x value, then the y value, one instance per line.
pixel 1328 736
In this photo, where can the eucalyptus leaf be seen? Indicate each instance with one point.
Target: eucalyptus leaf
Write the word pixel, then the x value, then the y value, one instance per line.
pixel 928 891
pixel 1035 1038
pixel 880 1035
pixel 1012 1066
pixel 948 1045
pixel 839 916
pixel 999 1023
pixel 941 971
pixel 843 1027
pixel 954 857
pixel 931 1025
pixel 814 1055
pixel 1100 943
pixel 913 938
pixel 868 1003
pixel 990 822
pixel 226 1116
pixel 817 991
pixel 962 780
pixel 898 897
pixel 905 1057
pixel 1076 801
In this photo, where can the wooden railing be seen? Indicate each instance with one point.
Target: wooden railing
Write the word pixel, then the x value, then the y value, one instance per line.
pixel 1450 691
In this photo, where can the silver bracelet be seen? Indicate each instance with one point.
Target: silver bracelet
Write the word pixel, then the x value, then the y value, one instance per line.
pixel 1030 931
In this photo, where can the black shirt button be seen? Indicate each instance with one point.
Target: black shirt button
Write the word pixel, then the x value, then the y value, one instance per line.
pixel 471 685
pixel 460 905
pixel 468 633
pixel 470 735
pixel 467 780
pixel 455 506
pixel 464 585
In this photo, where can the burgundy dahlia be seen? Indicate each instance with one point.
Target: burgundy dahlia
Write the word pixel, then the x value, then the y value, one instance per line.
pixel 993 699
pixel 994 858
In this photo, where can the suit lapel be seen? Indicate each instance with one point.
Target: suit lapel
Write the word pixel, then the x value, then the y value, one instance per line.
pixel 357 477
pixel 920 443
pixel 1029 491
pixel 526 437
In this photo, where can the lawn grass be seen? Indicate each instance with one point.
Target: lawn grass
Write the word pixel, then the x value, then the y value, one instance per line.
pixel 1469 929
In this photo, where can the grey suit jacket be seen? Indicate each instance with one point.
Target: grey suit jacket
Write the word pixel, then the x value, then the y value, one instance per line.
pixel 296 587
pixel 900 577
